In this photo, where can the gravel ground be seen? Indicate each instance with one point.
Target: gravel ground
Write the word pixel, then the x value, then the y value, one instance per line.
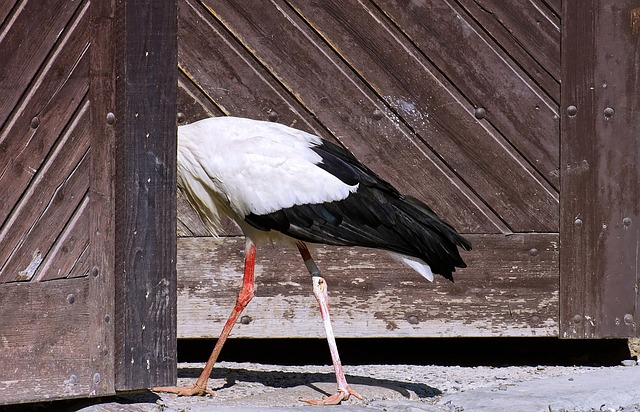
pixel 249 386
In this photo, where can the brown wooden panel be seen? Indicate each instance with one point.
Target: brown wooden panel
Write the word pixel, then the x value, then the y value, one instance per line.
pixel 35 44
pixel 410 86
pixel 66 253
pixel 6 8
pixel 100 256
pixel 346 106
pixel 513 291
pixel 229 76
pixel 45 352
pixel 53 99
pixel 145 195
pixel 47 205
pixel 486 76
pixel 192 102
pixel 600 213
pixel 529 33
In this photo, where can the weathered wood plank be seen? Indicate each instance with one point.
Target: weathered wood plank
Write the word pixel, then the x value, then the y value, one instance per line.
pixel 600 213
pixel 55 96
pixel 100 255
pixel 47 205
pixel 68 248
pixel 433 108
pixel 45 352
pixel 34 45
pixel 347 107
pixel 145 194
pixel 529 33
pixel 6 8
pixel 509 289
pixel 229 75
pixel 192 103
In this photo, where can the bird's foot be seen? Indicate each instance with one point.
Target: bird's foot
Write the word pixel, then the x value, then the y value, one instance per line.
pixel 193 390
pixel 335 399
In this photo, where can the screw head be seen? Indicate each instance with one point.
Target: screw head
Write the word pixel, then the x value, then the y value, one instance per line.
pixel 533 252
pixel 181 117
pixel 480 113
pixel 245 320
pixel 272 116
pixel 577 223
pixel 35 122
pixel 572 110
pixel 111 118
pixel 608 113
pixel 71 298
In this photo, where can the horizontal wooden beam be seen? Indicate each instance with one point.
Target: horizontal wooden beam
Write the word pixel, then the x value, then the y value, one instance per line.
pixel 509 289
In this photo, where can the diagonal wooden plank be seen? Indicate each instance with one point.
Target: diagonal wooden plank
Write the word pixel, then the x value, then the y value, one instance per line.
pixel 529 34
pixel 34 45
pixel 230 77
pixel 7 7
pixel 347 107
pixel 27 138
pixel 487 77
pixel 40 215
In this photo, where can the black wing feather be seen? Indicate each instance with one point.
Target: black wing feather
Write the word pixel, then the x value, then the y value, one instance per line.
pixel 375 216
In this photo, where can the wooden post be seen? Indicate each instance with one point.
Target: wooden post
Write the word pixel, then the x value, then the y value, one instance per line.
pixel 145 198
pixel 600 169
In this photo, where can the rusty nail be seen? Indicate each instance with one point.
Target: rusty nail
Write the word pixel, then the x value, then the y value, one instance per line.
pixel 533 252
pixel 572 110
pixel 608 113
pixel 628 319
pixel 71 298
pixel 273 116
pixel 413 320
pixel 577 223
pixel 96 378
pixel 480 113
pixel 626 221
pixel 245 320
pixel 181 117
pixel 95 271
pixel 111 118
pixel 35 122
pixel 577 319
pixel 377 114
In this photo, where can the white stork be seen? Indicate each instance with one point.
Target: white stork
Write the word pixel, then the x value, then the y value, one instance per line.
pixel 280 183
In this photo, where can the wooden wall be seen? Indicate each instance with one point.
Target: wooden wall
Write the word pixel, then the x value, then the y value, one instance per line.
pixel 456 103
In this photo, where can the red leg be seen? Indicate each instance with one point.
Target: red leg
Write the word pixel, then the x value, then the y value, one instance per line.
pixel 244 297
pixel 320 291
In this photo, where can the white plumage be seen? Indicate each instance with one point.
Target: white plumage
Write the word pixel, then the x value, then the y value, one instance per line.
pixel 277 182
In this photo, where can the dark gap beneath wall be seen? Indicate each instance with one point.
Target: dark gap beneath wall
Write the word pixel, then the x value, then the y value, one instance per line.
pixel 415 351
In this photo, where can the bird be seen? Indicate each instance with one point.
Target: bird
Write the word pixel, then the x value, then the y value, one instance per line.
pixel 282 185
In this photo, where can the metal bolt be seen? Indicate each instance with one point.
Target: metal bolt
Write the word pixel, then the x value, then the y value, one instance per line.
pixel 572 110
pixel 272 116
pixel 608 113
pixel 413 320
pixel 111 118
pixel 626 222
pixel 577 223
pixel 377 114
pixel 96 378
pixel 181 117
pixel 245 320
pixel 628 319
pixel 577 319
pixel 533 252
pixel 480 113
pixel 71 298
pixel 35 122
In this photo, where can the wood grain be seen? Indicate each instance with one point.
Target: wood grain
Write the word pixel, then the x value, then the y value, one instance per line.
pixel 600 214
pixel 345 104
pixel 443 119
pixel 50 358
pixel 145 195
pixel 509 289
